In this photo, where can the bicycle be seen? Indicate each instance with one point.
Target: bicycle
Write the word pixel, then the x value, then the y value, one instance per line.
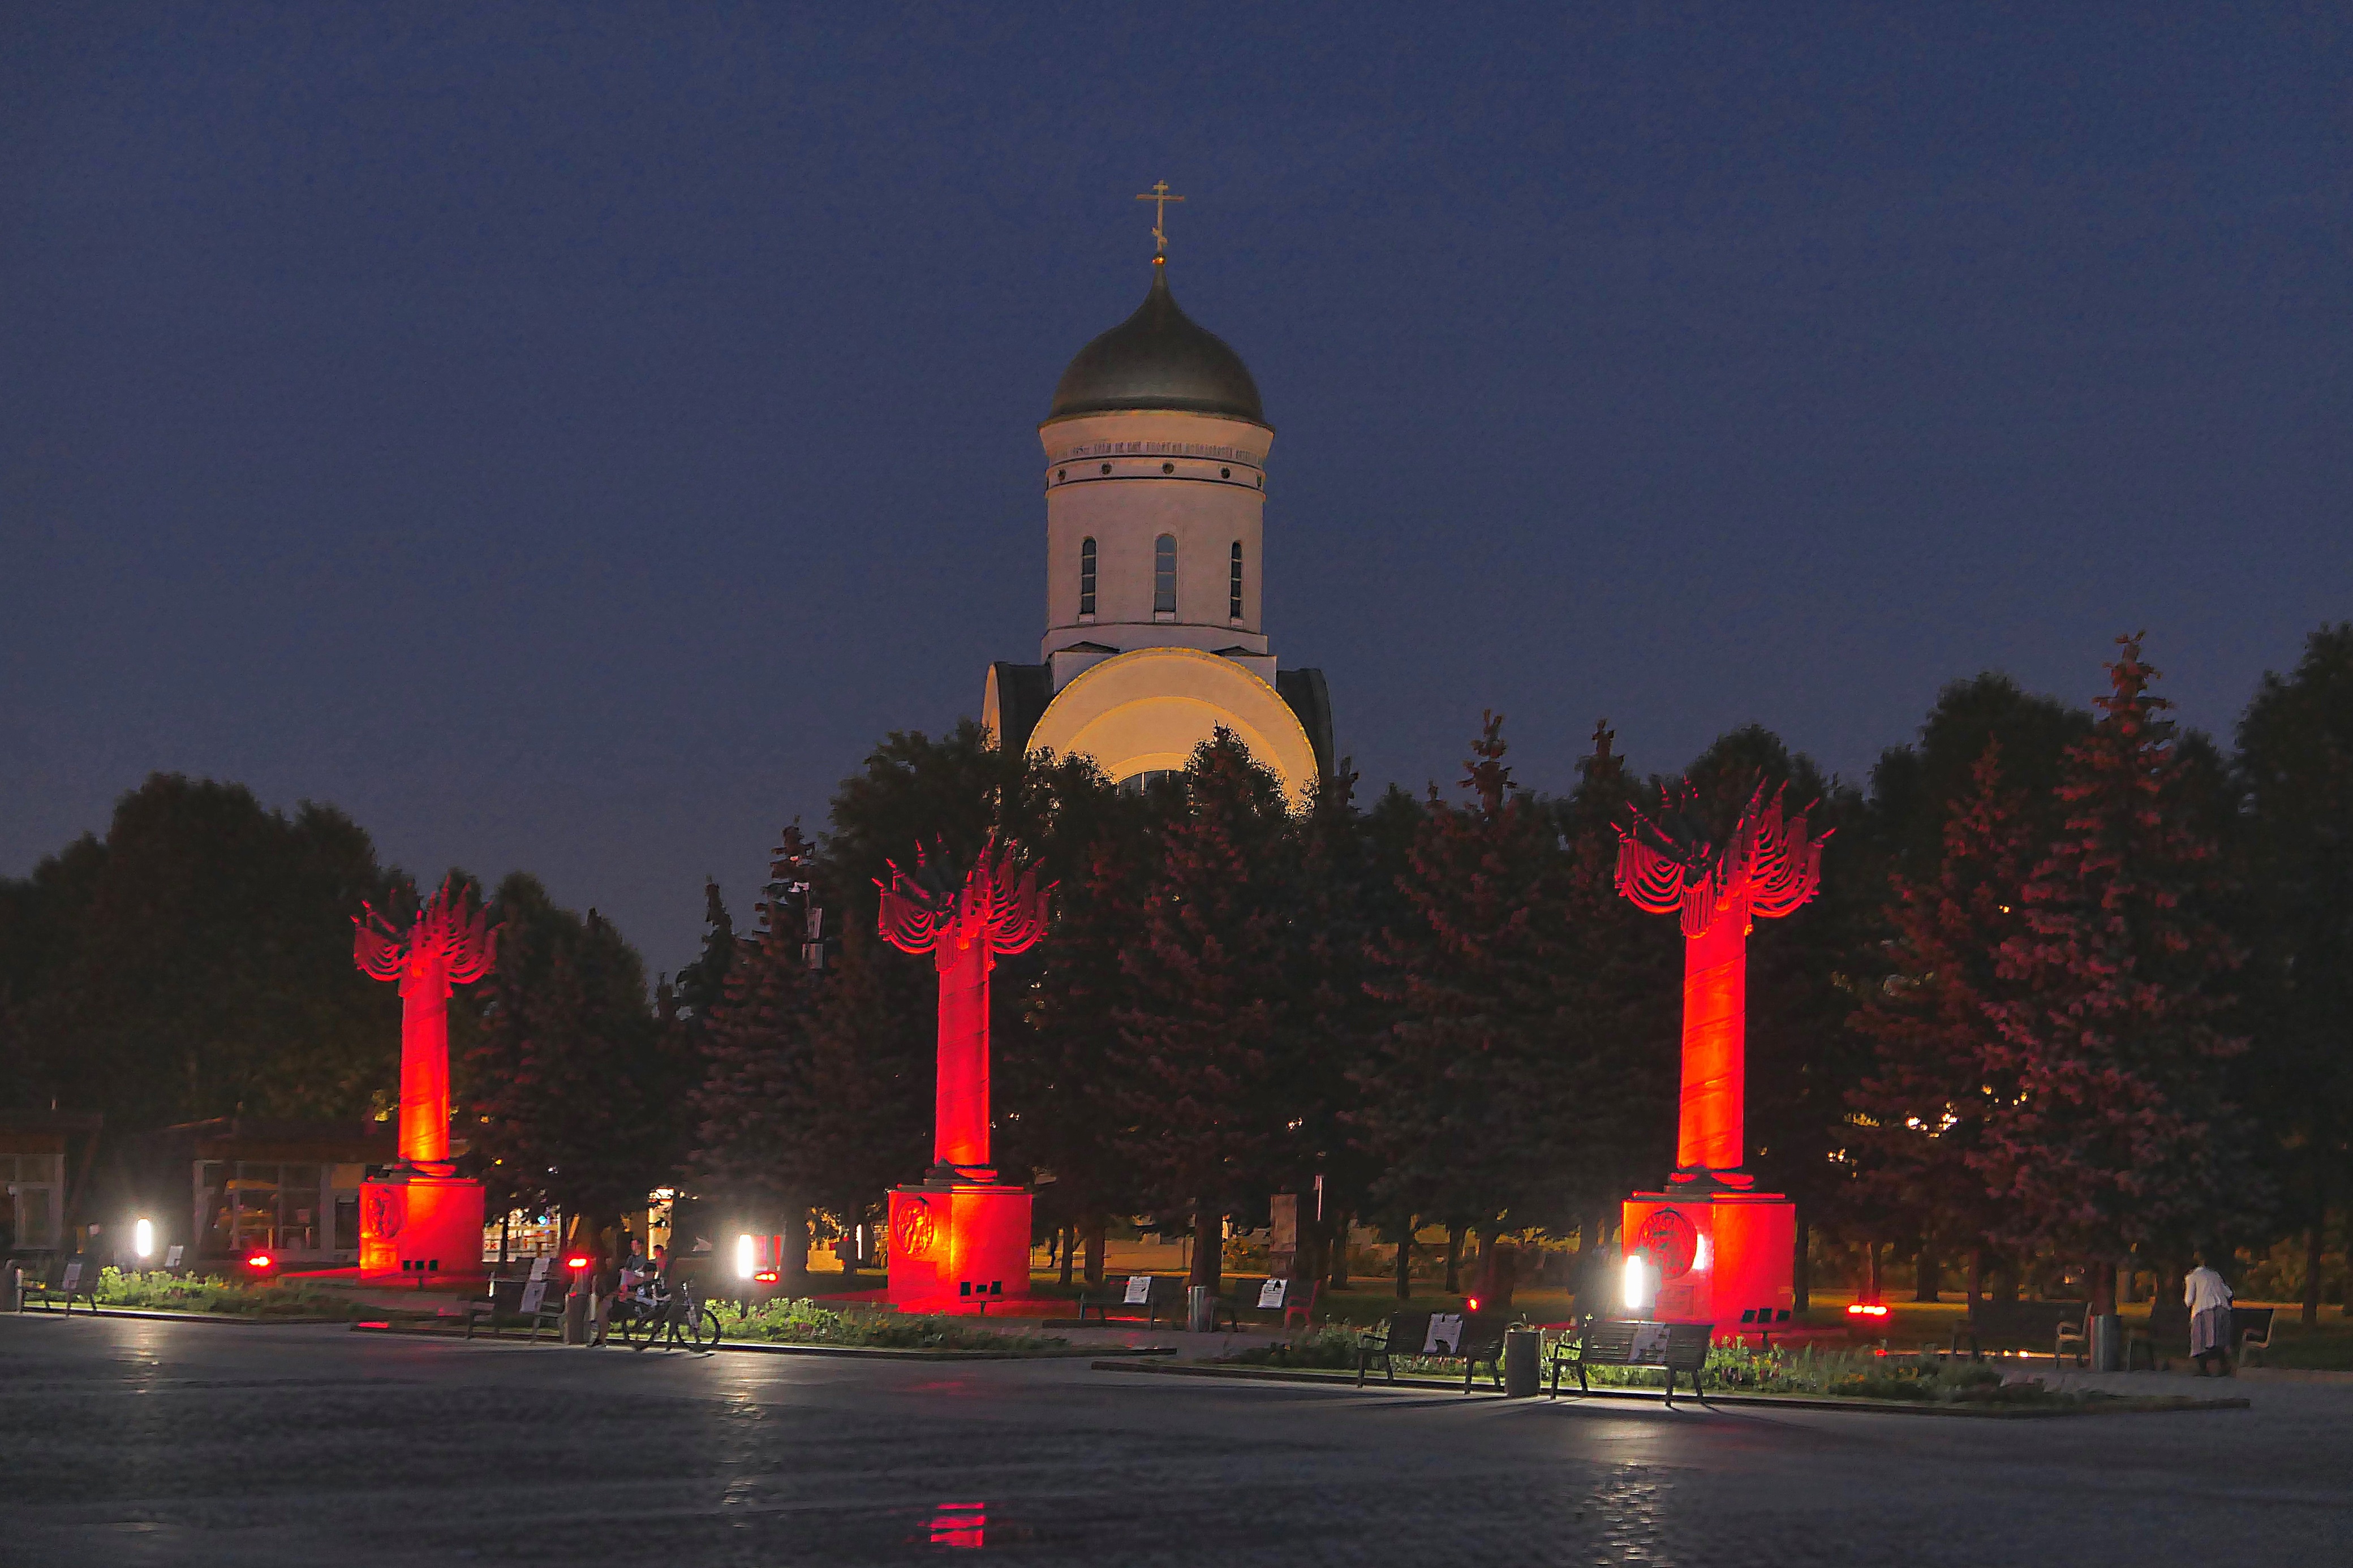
pixel 684 1319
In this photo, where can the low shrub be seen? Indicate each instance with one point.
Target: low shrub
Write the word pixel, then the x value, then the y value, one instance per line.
pixel 1332 1345
pixel 806 1322
pixel 1843 1374
pixel 294 1297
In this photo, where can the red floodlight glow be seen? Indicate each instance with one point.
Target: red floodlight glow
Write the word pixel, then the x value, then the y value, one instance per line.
pixel 1474 1303
pixel 577 1262
pixel 1866 1309
pixel 765 1276
pixel 259 1261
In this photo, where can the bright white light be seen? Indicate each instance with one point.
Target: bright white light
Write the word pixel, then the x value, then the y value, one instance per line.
pixel 744 1257
pixel 143 1239
pixel 1701 1256
pixel 1638 1282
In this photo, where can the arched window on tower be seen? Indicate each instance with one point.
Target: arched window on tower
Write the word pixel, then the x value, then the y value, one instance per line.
pixel 1086 579
pixel 1234 584
pixel 1163 578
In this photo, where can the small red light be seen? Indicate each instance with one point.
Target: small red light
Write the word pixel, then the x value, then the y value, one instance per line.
pixel 765 1277
pixel 258 1260
pixel 1474 1303
pixel 576 1263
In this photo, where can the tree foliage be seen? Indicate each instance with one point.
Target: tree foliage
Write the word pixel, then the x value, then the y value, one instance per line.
pixel 2118 1133
pixel 196 962
pixel 577 1091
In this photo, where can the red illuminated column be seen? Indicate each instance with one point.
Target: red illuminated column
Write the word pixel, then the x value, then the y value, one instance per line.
pixel 425 1064
pixel 446 945
pixel 1715 1007
pixel 1768 868
pixel 963 927
pixel 960 1127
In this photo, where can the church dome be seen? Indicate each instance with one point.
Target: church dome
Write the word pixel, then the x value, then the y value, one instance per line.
pixel 1158 358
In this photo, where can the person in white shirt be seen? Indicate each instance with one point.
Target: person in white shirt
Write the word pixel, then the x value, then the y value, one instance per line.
pixel 2208 1300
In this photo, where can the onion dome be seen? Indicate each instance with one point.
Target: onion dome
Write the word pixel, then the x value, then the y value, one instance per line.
pixel 1158 358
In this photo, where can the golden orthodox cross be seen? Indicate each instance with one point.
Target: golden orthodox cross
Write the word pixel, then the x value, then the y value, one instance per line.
pixel 1160 198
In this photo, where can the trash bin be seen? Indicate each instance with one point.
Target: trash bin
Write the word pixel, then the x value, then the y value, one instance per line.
pixel 2107 1347
pixel 576 1303
pixel 1520 1363
pixel 1200 1310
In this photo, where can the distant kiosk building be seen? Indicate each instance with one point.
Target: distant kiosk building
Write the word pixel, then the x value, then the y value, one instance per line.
pixel 1156 501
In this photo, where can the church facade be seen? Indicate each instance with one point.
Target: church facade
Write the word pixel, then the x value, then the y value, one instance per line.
pixel 1156 451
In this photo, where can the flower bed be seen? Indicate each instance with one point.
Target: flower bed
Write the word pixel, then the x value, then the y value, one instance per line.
pixel 807 1323
pixel 212 1293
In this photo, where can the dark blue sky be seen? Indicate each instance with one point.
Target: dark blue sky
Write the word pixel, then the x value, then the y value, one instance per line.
pixel 567 439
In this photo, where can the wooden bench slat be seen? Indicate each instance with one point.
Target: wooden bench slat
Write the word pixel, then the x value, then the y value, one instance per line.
pixel 1603 1341
pixel 1405 1333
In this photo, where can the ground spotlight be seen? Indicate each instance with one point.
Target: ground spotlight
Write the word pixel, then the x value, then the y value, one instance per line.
pixel 1638 1282
pixel 143 1239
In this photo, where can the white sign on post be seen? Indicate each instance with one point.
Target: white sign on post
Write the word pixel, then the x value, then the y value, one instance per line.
pixel 539 1266
pixel 73 1277
pixel 1139 1291
pixel 1445 1336
pixel 173 1253
pixel 533 1295
pixel 1649 1342
pixel 1270 1294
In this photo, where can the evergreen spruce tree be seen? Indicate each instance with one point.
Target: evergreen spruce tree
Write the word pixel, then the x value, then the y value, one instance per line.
pixel 1349 864
pixel 1207 1057
pixel 702 984
pixel 1921 1108
pixel 2294 771
pixel 1625 984
pixel 1059 1067
pixel 575 1093
pixel 751 1107
pixel 1459 1097
pixel 2118 1134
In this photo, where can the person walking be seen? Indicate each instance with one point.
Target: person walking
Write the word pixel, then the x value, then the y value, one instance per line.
pixel 2208 1300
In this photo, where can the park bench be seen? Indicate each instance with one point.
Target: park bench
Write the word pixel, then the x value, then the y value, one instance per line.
pixel 2163 1337
pixel 1154 1293
pixel 2029 1322
pixel 517 1299
pixel 1474 1339
pixel 1284 1298
pixel 1680 1348
pixel 2251 1329
pixel 77 1283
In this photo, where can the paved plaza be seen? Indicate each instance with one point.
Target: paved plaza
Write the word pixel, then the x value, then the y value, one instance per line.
pixel 125 1442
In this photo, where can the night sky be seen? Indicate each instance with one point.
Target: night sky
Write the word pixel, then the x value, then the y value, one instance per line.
pixel 568 438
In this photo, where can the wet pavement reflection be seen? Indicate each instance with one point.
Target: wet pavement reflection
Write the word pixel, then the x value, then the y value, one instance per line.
pixel 133 1442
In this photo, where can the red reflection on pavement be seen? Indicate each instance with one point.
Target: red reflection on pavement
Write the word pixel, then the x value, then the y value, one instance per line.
pixel 960 1524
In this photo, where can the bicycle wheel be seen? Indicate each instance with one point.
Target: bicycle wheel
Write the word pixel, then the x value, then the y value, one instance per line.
pixel 706 1328
pixel 642 1331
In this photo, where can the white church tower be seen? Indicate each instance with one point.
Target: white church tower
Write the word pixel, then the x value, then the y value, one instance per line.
pixel 1155 500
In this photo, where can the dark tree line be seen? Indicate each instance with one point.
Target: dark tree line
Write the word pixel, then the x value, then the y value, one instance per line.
pixel 2077 988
